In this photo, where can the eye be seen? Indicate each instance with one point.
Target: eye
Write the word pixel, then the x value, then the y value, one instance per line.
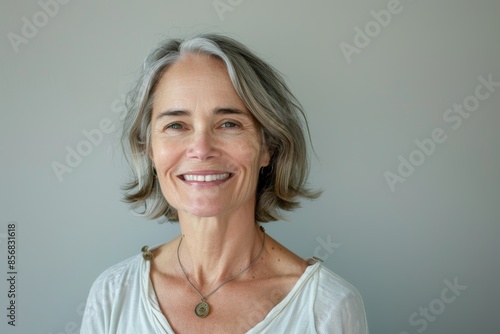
pixel 229 124
pixel 174 126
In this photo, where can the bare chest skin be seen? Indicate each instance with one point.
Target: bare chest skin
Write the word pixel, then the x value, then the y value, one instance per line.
pixel 237 306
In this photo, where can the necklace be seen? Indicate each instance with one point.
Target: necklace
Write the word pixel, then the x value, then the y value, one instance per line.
pixel 202 308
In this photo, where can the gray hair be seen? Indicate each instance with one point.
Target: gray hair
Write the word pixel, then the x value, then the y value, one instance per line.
pixel 267 97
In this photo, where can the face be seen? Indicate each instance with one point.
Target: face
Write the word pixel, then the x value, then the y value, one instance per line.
pixel 206 146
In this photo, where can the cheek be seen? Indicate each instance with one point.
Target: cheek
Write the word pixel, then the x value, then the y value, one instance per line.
pixel 252 157
pixel 163 155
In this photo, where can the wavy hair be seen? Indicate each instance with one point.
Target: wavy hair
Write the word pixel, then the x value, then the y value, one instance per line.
pixel 267 97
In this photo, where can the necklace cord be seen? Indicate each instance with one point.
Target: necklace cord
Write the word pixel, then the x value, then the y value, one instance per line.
pixel 204 298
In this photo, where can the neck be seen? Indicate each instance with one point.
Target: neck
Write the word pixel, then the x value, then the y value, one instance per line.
pixel 215 249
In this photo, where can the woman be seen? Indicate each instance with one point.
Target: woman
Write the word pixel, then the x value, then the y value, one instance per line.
pixel 215 142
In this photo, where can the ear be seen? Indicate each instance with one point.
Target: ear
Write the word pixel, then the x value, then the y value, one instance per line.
pixel 152 161
pixel 265 152
pixel 265 156
pixel 150 155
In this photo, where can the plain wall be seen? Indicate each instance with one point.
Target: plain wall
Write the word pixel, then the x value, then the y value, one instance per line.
pixel 369 100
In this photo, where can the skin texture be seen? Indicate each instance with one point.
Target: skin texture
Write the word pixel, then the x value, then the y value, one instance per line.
pixel 201 127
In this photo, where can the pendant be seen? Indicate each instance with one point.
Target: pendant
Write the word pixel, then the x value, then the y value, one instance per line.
pixel 202 309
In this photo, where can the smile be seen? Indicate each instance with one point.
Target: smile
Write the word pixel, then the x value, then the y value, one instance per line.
pixel 206 178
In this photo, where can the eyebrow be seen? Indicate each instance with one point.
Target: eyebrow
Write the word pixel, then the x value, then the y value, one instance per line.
pixel 215 111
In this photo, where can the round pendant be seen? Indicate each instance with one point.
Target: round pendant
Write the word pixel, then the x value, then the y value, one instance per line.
pixel 202 309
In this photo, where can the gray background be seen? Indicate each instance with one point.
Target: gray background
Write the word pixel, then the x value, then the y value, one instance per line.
pixel 397 247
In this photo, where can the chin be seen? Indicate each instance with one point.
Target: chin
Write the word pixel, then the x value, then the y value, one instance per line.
pixel 204 212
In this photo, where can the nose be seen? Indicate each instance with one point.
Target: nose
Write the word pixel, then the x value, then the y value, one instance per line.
pixel 202 145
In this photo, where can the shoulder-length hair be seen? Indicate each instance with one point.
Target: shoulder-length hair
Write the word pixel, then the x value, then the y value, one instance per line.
pixel 266 96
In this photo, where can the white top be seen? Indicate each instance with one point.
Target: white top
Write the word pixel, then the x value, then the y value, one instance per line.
pixel 122 300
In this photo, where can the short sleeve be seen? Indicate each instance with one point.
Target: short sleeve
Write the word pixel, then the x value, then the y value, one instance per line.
pixel 338 307
pixel 106 299
pixel 96 317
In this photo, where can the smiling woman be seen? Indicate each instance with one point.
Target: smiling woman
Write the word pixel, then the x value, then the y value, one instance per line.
pixel 261 92
pixel 216 142
pixel 206 147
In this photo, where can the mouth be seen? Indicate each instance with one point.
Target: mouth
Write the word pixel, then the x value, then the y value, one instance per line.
pixel 205 178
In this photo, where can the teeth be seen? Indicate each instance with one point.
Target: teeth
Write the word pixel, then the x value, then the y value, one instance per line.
pixel 206 178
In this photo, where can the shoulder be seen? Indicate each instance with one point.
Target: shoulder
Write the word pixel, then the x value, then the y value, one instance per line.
pixel 109 294
pixel 118 275
pixel 332 285
pixel 113 284
pixel 338 301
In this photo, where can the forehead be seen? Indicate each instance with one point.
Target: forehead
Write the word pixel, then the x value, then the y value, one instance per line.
pixel 196 75
pixel 199 63
pixel 197 84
